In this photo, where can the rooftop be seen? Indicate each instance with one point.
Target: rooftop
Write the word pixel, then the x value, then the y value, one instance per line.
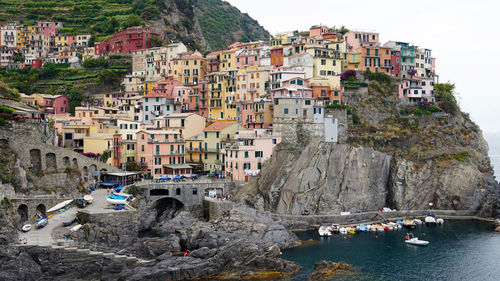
pixel 218 126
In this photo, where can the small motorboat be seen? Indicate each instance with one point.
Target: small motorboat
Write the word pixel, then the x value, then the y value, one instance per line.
pixel 417 221
pixel 430 220
pixel 379 227
pixel 69 221
pixel 371 227
pixel 361 228
pixel 334 228
pixel 76 228
pixel 410 224
pixel 351 230
pixel 26 227
pixel 324 231
pixel 411 239
pixel 392 225
pixel 81 203
pixel 41 223
pixel 88 198
pixel 117 200
pixel 343 230
pixel 122 194
pixel 119 207
pixel 59 206
pixel 440 221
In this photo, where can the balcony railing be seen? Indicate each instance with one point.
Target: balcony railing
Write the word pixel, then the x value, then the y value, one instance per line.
pixel 143 164
pixel 212 150
pixel 160 153
pixel 195 149
pixel 165 140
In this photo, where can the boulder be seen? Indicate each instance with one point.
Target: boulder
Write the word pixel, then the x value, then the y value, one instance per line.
pixel 327 269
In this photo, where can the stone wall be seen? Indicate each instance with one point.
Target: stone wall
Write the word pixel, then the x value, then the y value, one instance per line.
pixel 30 143
pixel 216 208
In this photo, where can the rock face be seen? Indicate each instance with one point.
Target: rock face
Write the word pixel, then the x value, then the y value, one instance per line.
pixel 327 270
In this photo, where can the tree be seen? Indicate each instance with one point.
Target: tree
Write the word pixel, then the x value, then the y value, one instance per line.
pixel 132 166
pixel 49 70
pixel 446 98
pixel 75 98
pixel 109 77
pixel 155 41
pixel 343 30
pixel 132 20
pixel 18 57
pixel 95 63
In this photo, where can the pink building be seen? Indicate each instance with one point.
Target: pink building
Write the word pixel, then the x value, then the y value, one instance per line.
pixel 129 40
pixel 55 104
pixel 162 152
pixel 246 152
pixel 356 39
pixel 295 87
pixel 318 30
pixel 166 86
pixel 182 95
pixel 247 110
pixel 47 27
pixel 247 57
pixel 417 90
pixel 6 56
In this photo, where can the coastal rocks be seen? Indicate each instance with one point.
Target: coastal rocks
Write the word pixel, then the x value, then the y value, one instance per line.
pixel 236 260
pixel 13 260
pixel 327 270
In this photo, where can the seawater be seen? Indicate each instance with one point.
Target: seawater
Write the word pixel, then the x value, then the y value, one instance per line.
pixel 458 250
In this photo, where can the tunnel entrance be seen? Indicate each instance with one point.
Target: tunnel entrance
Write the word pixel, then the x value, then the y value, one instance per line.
pixel 41 210
pixel 23 212
pixel 167 208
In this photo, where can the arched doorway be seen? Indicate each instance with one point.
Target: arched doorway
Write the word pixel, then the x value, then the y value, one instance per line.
pixel 167 208
pixel 36 161
pixel 50 162
pixel 66 161
pixel 85 173
pixel 41 210
pixel 23 212
pixel 75 163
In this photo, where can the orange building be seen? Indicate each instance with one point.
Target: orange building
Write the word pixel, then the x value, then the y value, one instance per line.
pixel 375 59
pixel 323 91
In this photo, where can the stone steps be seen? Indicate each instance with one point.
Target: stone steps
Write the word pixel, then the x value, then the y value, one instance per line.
pixel 80 255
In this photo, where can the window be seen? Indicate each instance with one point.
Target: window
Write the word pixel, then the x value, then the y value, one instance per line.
pixel 246 154
pixel 259 154
pixel 308 102
pixel 323 62
pixel 142 147
pixel 217 134
pixel 285 111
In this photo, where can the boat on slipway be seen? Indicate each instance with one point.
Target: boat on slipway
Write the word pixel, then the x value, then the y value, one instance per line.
pixel 117 200
pixel 60 206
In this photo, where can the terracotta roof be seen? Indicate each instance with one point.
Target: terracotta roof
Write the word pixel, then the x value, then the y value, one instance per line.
pixel 218 126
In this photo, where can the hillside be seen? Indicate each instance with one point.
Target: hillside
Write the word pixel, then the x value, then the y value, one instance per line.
pixel 210 24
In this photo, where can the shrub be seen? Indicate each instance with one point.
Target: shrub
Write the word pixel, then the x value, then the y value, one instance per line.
pixel 378 76
pixel 434 108
pixel 2 121
pixel 403 111
pixel 95 63
pixel 134 190
pixel 355 119
pixel 462 156
pixel 348 75
pixel 417 112
pixel 428 112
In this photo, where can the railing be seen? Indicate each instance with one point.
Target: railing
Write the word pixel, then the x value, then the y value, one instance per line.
pixel 159 153
pixel 195 149
pixel 143 164
pixel 212 150
pixel 165 140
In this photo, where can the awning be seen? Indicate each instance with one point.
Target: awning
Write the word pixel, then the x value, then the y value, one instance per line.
pixel 177 166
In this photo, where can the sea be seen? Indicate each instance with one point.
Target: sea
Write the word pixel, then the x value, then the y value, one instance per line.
pixel 493 140
pixel 458 250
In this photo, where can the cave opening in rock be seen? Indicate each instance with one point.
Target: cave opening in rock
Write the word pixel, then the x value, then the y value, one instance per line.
pixel 167 208
pixel 23 212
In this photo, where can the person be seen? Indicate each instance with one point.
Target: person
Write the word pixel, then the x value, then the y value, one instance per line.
pixel 25 240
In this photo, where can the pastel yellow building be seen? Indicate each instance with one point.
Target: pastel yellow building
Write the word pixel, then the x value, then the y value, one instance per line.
pixel 352 61
pixel 326 62
pixel 60 41
pixel 23 34
pixel 213 137
pixel 189 68
pixel 228 59
pixel 280 39
pixel 222 104
pixel 194 149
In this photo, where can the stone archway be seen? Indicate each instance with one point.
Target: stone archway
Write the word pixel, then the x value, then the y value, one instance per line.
pixel 178 191
pixel 36 161
pixel 167 207
pixel 66 161
pixel 85 173
pixel 50 162
pixel 22 211
pixel 75 163
pixel 41 209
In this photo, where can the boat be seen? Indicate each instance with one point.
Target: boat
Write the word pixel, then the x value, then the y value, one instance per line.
pixel 324 231
pixel 118 189
pixel 76 227
pixel 117 200
pixel 410 224
pixel 88 198
pixel 41 223
pixel 351 230
pixel 411 239
pixel 343 230
pixel 81 203
pixel 121 194
pixel 386 226
pixel 59 206
pixel 361 228
pixel 430 220
pixel 26 227
pixel 371 227
pixel 417 221
pixel 392 225
pixel 440 221
pixel 69 221
pixel 379 227
pixel 334 228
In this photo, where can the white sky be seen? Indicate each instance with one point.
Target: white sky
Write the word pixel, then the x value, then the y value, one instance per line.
pixel 464 37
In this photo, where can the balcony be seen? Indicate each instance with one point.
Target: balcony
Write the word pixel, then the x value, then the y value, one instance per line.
pixel 142 164
pixel 171 153
pixel 166 140
pixel 212 150
pixel 195 149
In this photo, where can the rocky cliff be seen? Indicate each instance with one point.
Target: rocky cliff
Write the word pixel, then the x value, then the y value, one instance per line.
pixel 393 159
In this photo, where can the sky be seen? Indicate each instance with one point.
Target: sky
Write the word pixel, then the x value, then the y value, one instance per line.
pixel 464 37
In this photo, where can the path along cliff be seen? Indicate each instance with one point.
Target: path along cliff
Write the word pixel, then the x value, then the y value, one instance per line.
pixel 396 155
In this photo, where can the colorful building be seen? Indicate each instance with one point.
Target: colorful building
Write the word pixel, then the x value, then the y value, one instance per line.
pixel 376 59
pixel 213 136
pixel 128 40
pixel 55 104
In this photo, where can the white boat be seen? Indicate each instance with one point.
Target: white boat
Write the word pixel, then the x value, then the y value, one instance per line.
pixel 343 230
pixel 324 231
pixel 430 221
pixel 392 225
pixel 76 227
pixel 371 227
pixel 117 200
pixel 88 198
pixel 60 206
pixel 440 221
pixel 417 221
pixel 385 209
pixel 122 194
pixel 26 227
pixel 361 228
pixel 411 239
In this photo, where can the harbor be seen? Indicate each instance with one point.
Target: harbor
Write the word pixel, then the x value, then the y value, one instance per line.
pixel 457 250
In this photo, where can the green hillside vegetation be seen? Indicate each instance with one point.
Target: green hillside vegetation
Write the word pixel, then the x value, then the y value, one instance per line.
pixel 96 75
pixel 220 23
